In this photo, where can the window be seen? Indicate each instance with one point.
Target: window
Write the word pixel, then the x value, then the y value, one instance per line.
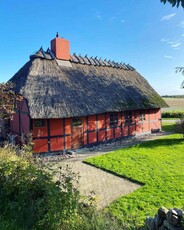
pixel 39 123
pixel 128 118
pixel 76 122
pixel 142 116
pixel 113 119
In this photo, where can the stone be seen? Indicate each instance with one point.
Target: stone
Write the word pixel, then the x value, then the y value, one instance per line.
pixel 162 227
pixel 172 217
pixel 162 212
pixel 70 152
pixel 148 222
pixel 170 226
pixel 179 212
pixel 158 220
pixel 153 226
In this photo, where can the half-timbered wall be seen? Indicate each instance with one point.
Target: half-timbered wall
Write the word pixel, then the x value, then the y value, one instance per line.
pixel 50 135
pixel 20 121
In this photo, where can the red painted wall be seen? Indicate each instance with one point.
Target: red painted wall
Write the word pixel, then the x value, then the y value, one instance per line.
pixel 95 128
pixel 20 122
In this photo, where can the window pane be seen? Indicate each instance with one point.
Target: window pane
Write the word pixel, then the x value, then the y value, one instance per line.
pixel 113 119
pixel 76 122
pixel 39 123
pixel 128 118
pixel 142 116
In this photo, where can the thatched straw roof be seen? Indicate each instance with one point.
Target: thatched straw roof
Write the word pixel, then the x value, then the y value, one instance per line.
pixel 90 86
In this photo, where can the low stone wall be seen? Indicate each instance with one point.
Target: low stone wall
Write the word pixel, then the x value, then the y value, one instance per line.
pixel 165 219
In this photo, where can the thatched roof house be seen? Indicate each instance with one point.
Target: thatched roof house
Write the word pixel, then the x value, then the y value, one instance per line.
pixel 57 85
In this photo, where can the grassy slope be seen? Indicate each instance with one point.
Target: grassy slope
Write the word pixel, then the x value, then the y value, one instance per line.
pixel 158 164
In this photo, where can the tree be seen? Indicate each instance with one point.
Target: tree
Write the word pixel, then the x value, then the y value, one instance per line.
pixel 8 99
pixel 176 3
pixel 179 126
pixel 180 70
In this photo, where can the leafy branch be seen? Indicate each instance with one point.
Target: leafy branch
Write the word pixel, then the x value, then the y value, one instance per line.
pixel 8 99
pixel 174 2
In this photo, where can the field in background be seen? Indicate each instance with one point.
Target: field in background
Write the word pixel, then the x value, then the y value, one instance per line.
pixel 175 104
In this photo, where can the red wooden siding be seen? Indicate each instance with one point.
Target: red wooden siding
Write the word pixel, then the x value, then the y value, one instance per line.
pixel 56 127
pixel 40 131
pixel 56 144
pixel 20 122
pixel 56 134
pixel 40 145
pixel 94 128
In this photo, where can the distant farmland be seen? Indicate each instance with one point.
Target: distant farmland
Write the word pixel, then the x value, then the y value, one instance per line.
pixel 175 104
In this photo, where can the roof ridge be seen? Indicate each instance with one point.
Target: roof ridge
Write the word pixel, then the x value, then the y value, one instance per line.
pixel 99 62
pixel 85 60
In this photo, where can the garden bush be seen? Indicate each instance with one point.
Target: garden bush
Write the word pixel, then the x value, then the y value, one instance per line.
pixel 173 114
pixel 31 199
pixel 179 127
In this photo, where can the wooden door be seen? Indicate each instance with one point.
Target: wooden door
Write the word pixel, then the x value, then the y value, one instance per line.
pixel 77 133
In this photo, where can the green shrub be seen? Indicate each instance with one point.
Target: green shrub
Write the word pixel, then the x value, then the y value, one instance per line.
pixel 179 127
pixel 173 114
pixel 31 199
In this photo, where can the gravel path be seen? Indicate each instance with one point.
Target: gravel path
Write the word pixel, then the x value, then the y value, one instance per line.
pixel 103 186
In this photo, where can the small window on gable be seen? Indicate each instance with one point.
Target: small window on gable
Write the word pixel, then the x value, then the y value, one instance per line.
pixel 113 119
pixel 76 122
pixel 39 123
pixel 128 118
pixel 142 116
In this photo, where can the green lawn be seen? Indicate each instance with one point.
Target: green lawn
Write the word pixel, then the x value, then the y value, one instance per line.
pixel 172 119
pixel 159 166
pixel 168 126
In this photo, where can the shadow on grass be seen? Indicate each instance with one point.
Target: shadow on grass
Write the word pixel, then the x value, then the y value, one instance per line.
pixel 168 127
pixel 114 173
pixel 161 142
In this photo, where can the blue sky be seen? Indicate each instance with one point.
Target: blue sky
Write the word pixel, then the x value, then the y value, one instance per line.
pixel 146 34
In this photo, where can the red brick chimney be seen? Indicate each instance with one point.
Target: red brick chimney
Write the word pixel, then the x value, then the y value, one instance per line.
pixel 61 48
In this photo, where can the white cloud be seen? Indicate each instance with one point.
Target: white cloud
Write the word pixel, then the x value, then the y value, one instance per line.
pixel 168 17
pixel 168 57
pixel 176 45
